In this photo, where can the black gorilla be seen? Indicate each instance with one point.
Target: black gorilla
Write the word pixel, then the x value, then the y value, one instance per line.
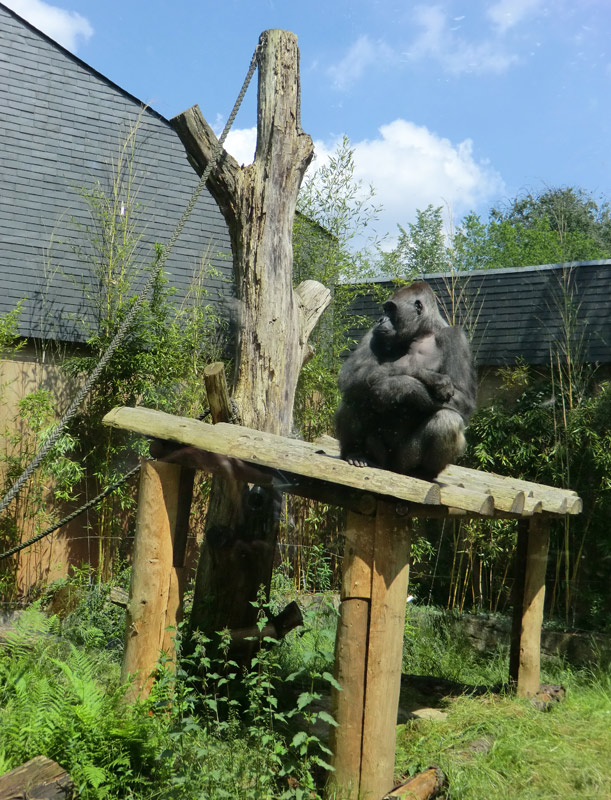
pixel 407 390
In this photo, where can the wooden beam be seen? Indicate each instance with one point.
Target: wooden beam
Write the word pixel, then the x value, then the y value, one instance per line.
pixel 351 643
pixel 259 448
pixel 509 493
pixel 385 648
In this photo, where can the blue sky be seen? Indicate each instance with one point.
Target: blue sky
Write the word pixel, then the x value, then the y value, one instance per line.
pixel 459 104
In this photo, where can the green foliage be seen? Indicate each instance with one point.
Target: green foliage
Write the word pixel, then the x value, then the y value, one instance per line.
pixel 59 472
pixel 435 644
pixel 209 729
pixel 330 245
pixel 9 340
pixel 158 364
pixel 422 249
pixel 525 755
pixel 557 225
pixel 54 702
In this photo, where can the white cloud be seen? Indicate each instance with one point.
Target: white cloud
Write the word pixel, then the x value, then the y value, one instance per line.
pixel 412 167
pixel 241 143
pixel 68 28
pixel 505 14
pixel 441 42
pixel 409 167
pixel 362 55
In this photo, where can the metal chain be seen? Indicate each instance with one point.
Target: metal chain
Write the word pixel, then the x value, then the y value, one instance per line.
pixel 143 295
pixel 71 516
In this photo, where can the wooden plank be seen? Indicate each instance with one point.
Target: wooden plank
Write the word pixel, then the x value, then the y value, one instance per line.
pixel 383 679
pixel 265 449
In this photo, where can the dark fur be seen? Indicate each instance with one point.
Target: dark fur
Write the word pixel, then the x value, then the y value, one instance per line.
pixel 407 390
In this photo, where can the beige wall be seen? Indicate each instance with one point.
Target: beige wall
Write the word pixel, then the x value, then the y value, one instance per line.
pixel 31 369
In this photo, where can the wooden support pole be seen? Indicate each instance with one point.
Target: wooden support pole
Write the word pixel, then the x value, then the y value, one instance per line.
pixel 387 622
pixel 369 652
pixel 529 597
pixel 351 641
pixel 155 595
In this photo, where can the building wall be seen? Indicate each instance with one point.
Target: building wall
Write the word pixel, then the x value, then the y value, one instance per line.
pixel 61 130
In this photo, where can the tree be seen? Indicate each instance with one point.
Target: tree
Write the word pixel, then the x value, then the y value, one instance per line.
pixel 420 250
pixel 557 225
pixel 331 245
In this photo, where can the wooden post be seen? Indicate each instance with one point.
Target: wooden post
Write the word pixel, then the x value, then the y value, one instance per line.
pixel 155 595
pixel 351 655
pixel 369 652
pixel 529 596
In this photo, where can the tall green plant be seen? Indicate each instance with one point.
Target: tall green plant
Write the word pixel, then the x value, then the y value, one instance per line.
pixel 160 361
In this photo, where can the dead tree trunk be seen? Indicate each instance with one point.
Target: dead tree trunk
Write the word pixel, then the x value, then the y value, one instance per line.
pixel 258 202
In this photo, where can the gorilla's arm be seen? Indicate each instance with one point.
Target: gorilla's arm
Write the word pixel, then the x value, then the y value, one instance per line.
pixel 457 364
pixel 365 379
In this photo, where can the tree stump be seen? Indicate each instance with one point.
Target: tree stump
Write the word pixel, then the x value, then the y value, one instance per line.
pixel 258 202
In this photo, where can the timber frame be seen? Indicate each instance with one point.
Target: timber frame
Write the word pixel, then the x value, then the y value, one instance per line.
pixel 375 569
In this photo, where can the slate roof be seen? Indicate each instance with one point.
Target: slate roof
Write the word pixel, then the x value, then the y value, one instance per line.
pixel 61 127
pixel 520 313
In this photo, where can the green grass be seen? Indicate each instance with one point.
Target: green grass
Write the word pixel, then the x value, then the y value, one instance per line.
pixel 216 733
pixel 532 755
pixel 561 754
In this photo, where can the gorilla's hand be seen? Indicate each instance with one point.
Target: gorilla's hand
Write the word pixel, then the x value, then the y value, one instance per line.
pixel 441 387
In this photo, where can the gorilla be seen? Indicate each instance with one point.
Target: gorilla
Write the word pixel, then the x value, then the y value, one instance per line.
pixel 408 389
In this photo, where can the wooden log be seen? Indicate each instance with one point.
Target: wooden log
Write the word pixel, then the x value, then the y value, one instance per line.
pixel 155 596
pixel 425 786
pixel 506 498
pixel 37 779
pixel 265 449
pixel 507 491
pixel 347 704
pixel 217 392
pixel 368 653
pixel 385 647
pixel 529 596
pixel 554 500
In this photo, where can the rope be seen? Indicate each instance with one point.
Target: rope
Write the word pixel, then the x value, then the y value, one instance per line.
pixel 142 297
pixel 71 516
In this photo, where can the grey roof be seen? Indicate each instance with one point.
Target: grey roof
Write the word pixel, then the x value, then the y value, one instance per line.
pixel 61 127
pixel 526 312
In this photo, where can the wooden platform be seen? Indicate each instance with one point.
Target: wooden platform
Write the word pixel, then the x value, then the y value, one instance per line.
pixel 368 655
